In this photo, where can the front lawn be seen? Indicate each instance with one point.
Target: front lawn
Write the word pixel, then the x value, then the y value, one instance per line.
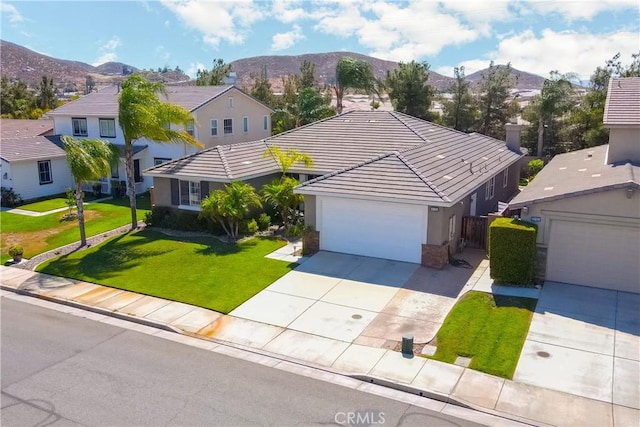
pixel 199 271
pixel 490 329
pixel 53 202
pixel 47 232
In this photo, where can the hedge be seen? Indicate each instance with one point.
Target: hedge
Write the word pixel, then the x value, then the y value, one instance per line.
pixel 512 251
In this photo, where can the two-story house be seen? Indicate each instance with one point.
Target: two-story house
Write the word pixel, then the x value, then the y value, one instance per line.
pixel 222 115
pixel 587 203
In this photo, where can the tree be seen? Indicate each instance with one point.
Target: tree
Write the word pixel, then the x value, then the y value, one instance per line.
pixel 141 114
pixel 288 158
pixel 409 90
pixel 262 89
pixel 495 94
pixel 215 76
pixel 46 98
pixel 554 100
pixel 89 84
pixel 354 74
pixel 89 160
pixel 307 75
pixel 230 206
pixel 461 112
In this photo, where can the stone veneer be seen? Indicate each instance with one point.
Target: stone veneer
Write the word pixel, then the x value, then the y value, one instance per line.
pixel 435 256
pixel 310 242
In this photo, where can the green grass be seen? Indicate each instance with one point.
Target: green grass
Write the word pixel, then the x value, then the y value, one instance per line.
pixel 490 329
pixel 47 232
pixel 54 202
pixel 202 271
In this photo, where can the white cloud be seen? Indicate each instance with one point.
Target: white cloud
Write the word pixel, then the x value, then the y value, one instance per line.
pixel 107 52
pixel 584 9
pixel 9 9
pixel 162 52
pixel 397 31
pixel 217 20
pixel 192 71
pixel 289 11
pixel 565 51
pixel 282 41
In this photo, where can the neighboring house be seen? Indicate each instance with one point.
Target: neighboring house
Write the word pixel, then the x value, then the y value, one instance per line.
pixel 383 184
pixel 587 203
pixel 222 115
pixel 31 163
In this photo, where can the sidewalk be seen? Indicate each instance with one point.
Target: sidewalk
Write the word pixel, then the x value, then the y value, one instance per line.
pixel 430 378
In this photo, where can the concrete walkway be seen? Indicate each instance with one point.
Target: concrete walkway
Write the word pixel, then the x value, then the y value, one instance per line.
pixel 448 383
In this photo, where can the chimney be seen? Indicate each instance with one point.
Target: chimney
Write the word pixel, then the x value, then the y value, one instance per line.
pixel 513 137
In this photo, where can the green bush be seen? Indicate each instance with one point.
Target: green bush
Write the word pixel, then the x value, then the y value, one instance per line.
pixel 16 250
pixel 535 166
pixel 10 198
pixel 295 230
pixel 264 221
pixel 180 220
pixel 512 251
pixel 252 226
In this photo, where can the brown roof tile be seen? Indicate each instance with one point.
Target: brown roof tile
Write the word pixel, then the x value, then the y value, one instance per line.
pixel 623 102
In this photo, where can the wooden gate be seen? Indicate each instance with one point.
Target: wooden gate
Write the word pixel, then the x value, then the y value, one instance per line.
pixel 474 231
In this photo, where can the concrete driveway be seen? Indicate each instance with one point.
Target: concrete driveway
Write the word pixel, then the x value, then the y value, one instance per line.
pixel 355 299
pixel 584 341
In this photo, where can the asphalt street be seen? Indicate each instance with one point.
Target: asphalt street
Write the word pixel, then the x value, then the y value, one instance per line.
pixel 59 369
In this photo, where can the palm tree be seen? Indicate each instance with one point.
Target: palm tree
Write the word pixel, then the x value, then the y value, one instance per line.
pixel 279 194
pixel 230 206
pixel 89 160
pixel 141 114
pixel 355 74
pixel 288 158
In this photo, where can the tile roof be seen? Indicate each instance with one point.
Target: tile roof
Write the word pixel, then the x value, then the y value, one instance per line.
pixel 33 148
pixel 105 101
pixel 623 102
pixel 576 173
pixel 17 128
pixel 365 152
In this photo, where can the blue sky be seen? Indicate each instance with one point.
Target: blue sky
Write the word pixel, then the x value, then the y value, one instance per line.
pixel 535 36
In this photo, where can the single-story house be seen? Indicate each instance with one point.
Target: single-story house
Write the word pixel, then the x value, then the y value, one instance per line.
pixel 30 162
pixel 383 184
pixel 587 203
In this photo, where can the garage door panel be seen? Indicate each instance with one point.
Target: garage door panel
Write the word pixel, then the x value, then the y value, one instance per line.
pixel 600 255
pixel 377 229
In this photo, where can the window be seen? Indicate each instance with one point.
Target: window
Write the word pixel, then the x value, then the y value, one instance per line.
pixel 115 173
pixel 44 172
pixel 79 126
pixel 159 160
pixel 214 127
pixel 137 177
pixel 505 177
pixel 190 193
pixel 230 102
pixel 190 128
pixel 107 128
pixel 228 126
pixel 490 189
pixel 245 124
pixel 265 122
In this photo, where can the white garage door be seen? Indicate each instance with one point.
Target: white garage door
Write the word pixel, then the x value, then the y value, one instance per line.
pixel 604 256
pixel 377 229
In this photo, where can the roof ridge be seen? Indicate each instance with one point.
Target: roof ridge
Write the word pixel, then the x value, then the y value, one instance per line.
pixel 347 169
pixel 223 159
pixel 424 179
pixel 206 150
pixel 395 114
pixel 307 125
pixel 211 98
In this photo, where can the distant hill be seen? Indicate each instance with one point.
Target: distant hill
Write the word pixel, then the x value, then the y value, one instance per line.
pixel 280 66
pixel 525 81
pixel 20 63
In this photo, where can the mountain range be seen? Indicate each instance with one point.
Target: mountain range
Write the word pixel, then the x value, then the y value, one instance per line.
pixel 24 64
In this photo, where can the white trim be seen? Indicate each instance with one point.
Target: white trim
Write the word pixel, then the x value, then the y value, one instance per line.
pixel 211 128
pixel 189 208
pixel 245 124
pixel 505 177
pixel 490 188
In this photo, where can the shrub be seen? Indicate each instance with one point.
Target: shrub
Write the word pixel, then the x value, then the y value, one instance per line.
pixel 252 226
pixel 16 250
pixel 10 198
pixel 535 166
pixel 512 251
pixel 295 230
pixel 264 221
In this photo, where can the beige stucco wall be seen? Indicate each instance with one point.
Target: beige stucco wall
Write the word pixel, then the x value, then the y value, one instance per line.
pixel 243 106
pixel 438 223
pixel 624 144
pixel 162 191
pixel 613 206
pixel 310 211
